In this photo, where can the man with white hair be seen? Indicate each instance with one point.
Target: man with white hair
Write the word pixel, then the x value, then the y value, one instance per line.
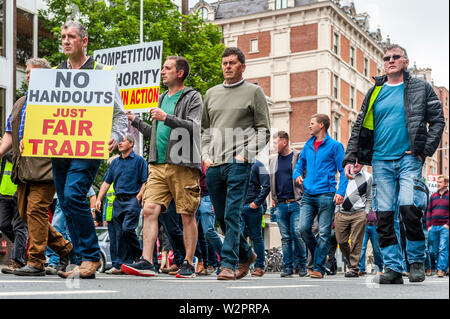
pixel 35 190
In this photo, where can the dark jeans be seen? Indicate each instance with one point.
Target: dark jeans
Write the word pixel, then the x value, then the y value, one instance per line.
pixel 73 178
pixel 251 221
pixel 13 227
pixel 125 221
pixel 174 226
pixel 227 186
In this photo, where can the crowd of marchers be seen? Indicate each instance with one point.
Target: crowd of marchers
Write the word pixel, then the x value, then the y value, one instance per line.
pixel 191 183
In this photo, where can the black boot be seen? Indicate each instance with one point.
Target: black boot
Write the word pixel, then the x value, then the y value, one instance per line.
pixel 390 277
pixel 417 272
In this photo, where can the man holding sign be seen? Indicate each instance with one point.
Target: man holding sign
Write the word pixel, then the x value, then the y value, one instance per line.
pixel 35 190
pixel 73 175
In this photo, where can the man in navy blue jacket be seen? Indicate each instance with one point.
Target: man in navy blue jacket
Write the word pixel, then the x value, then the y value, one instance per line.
pixel 321 157
pixel 252 214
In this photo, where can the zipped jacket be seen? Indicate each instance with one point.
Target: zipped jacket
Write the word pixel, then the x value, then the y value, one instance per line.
pixel 183 146
pixel 424 121
pixel 321 167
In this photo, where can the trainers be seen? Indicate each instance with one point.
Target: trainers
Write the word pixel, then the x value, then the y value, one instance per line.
pixel 13 265
pixel 287 273
pixel 390 277
pixel 417 272
pixel 140 268
pixel 186 270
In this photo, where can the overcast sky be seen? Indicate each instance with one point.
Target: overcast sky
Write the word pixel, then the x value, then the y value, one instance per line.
pixel 421 27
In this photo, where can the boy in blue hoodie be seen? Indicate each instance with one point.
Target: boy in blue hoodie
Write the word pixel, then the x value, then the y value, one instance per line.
pixel 321 158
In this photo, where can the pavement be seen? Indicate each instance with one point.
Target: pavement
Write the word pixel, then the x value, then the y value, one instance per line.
pixel 270 286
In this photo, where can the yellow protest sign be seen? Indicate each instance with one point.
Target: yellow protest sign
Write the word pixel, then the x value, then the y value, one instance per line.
pixel 69 113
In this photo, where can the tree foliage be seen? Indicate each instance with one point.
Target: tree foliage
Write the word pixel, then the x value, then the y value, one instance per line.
pixel 115 23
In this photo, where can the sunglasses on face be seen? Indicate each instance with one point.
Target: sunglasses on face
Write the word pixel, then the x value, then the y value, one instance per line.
pixel 388 58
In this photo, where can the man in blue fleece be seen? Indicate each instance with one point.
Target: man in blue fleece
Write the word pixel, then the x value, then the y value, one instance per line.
pixel 321 158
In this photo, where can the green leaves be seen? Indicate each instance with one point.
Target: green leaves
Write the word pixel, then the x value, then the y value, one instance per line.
pixel 117 24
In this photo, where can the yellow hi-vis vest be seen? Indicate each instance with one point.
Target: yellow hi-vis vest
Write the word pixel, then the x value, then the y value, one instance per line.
pixel 110 197
pixel 7 187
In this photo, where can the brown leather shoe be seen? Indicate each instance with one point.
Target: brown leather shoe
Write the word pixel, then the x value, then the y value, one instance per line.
pixel 88 269
pixel 258 272
pixel 310 271
pixel 226 274
pixel 69 274
pixel 173 270
pixel 428 272
pixel 440 273
pixel 244 267
pixel 316 274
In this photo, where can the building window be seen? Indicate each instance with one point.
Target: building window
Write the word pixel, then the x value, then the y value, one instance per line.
pixel 2 108
pixel 352 97
pixel 336 125
pixel 2 27
pixel 24 39
pixel 280 4
pixel 335 86
pixel 253 45
pixel 352 56
pixel 203 13
pixel 366 67
pixel 336 43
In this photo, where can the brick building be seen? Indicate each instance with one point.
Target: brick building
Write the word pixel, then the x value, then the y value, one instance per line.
pixel 309 56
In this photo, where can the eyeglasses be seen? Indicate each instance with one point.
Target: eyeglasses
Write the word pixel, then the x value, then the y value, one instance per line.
pixel 395 57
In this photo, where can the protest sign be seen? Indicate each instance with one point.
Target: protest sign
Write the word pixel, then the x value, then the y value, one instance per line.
pixel 69 113
pixel 138 69
pixel 432 183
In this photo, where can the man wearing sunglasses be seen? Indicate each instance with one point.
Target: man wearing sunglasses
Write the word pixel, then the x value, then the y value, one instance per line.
pixel 399 125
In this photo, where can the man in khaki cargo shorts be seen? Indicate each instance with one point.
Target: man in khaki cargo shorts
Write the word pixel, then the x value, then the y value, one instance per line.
pixel 174 165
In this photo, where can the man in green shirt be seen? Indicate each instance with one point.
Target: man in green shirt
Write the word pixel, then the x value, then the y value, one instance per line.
pixel 174 165
pixel 235 127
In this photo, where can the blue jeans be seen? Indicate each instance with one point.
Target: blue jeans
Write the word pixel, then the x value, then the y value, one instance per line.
pixel 398 189
pixel 60 225
pixel 371 233
pixel 208 221
pixel 251 220
pixel 227 186
pixel 292 245
pixel 73 178
pixel 439 236
pixel 322 206
pixel 125 221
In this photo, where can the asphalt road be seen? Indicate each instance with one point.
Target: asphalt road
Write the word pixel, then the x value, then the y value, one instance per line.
pixel 270 286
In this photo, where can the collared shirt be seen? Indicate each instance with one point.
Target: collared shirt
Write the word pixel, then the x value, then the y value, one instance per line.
pixel 22 120
pixel 233 84
pixel 128 174
pixel 358 195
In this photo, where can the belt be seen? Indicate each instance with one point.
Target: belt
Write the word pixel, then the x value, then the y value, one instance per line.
pixel 371 223
pixel 125 197
pixel 287 201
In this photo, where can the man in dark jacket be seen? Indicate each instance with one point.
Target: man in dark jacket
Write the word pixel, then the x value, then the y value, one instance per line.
pixel 399 125
pixel 174 165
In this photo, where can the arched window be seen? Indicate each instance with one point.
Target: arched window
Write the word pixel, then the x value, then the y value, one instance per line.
pixel 203 13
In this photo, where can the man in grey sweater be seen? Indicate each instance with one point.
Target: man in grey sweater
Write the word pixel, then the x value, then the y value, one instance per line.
pixel 235 128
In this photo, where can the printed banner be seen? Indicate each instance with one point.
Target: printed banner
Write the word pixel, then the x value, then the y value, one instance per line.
pixel 69 113
pixel 138 69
